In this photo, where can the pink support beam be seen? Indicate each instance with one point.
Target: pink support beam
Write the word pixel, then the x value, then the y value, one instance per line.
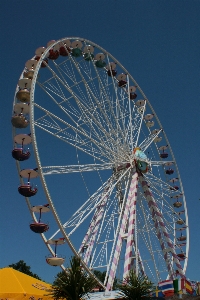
pixel 95 230
pixel 121 233
pixel 159 223
pixel 93 222
pixel 142 270
pixel 89 231
pixel 141 264
pixel 132 198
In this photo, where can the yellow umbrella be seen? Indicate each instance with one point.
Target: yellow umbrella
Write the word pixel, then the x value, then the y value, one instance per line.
pixel 17 285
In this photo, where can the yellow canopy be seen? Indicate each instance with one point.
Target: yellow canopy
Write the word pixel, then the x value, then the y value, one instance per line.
pixel 17 285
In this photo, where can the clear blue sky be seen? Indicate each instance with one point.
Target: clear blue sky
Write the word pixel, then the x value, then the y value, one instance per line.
pixel 157 42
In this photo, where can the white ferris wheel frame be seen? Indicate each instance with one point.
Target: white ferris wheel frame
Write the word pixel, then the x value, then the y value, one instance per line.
pixel 40 169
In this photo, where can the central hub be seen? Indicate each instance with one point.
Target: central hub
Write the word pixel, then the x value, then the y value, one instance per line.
pixel 138 159
pixel 141 160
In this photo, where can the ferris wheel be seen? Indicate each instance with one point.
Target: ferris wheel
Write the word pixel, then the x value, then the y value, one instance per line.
pixel 101 157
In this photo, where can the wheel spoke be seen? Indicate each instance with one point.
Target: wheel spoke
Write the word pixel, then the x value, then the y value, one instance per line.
pixel 50 170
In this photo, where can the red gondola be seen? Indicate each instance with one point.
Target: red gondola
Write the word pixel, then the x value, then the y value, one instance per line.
pixel 122 82
pixel 112 72
pixel 19 153
pixel 64 51
pixel 53 54
pixel 111 69
pixel 163 154
pixel 39 51
pixel 133 96
pixel 169 171
pixel 44 62
pixel 27 190
pixel 181 256
pixel 40 227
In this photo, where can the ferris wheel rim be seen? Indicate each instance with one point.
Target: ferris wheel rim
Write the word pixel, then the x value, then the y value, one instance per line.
pixel 36 149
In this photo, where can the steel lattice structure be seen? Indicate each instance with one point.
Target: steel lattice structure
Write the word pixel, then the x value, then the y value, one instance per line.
pixel 94 133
